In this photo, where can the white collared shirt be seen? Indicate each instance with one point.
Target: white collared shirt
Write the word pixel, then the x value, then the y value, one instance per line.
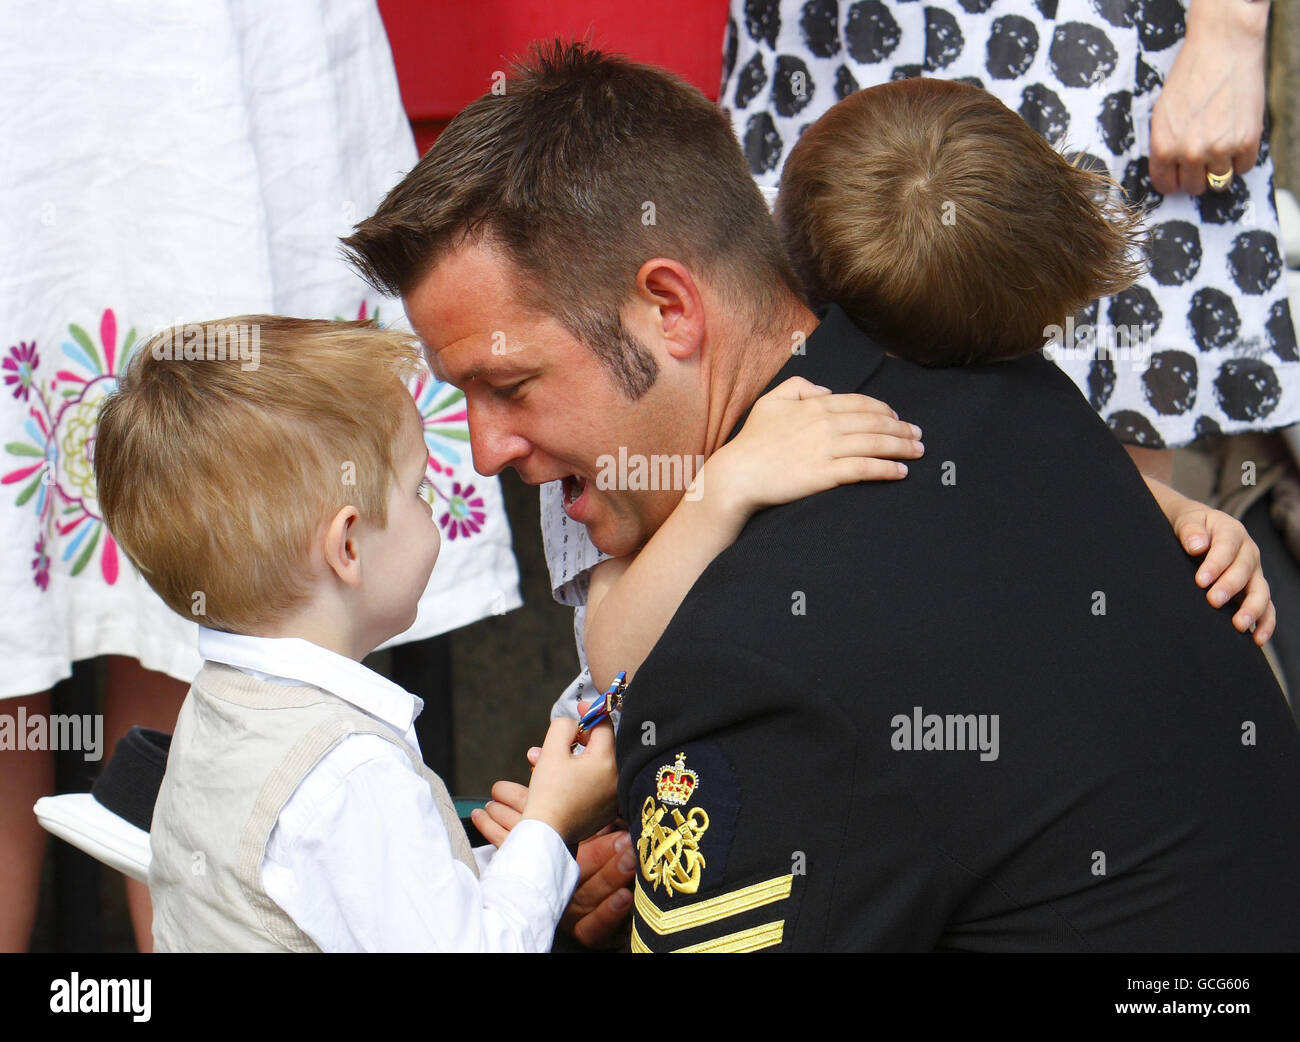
pixel 570 557
pixel 359 857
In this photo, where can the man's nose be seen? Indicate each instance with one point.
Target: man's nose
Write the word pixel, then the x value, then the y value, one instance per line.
pixel 493 443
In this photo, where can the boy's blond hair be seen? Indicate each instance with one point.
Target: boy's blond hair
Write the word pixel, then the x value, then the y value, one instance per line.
pixel 936 216
pixel 215 475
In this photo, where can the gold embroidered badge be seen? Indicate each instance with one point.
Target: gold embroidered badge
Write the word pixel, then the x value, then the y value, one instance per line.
pixel 671 854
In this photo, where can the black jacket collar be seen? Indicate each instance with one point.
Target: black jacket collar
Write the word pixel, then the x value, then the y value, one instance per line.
pixel 837 355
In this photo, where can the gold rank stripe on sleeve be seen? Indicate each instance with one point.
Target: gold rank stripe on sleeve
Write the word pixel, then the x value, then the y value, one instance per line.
pixel 750 940
pixel 703 912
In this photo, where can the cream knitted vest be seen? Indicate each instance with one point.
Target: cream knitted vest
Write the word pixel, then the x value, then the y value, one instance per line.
pixel 240 749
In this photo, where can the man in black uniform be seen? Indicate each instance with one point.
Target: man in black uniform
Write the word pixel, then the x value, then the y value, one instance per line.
pixel 984 708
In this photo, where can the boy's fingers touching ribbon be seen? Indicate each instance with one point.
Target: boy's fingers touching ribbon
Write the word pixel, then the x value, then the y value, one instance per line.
pixel 600 739
pixel 560 735
pixel 534 752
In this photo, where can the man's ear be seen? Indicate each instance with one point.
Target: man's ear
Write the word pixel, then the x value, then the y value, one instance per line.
pixel 341 547
pixel 668 288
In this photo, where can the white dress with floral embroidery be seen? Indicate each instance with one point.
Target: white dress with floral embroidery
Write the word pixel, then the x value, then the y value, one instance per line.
pixel 179 161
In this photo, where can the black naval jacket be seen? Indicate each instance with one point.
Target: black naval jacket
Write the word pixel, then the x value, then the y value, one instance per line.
pixel 983 708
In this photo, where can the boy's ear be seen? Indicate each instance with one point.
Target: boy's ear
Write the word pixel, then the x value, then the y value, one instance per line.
pixel 341 547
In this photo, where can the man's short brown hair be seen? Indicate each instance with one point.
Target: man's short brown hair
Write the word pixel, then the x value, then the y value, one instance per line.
pixel 214 475
pixel 582 168
pixel 937 217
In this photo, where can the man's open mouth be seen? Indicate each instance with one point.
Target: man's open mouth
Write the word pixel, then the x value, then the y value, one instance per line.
pixel 574 486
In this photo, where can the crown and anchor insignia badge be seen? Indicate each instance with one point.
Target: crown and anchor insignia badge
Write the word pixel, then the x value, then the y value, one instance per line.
pixel 669 852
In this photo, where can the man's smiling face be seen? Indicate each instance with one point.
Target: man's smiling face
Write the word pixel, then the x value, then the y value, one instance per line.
pixel 540 401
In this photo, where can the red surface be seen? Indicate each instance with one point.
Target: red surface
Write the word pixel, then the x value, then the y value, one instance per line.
pixel 446 52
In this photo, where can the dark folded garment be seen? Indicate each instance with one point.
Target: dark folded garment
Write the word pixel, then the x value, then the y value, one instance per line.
pixel 129 783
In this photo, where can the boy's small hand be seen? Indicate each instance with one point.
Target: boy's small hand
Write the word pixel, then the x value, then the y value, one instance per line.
pixel 575 794
pixel 1232 564
pixel 502 814
pixel 505 810
pixel 801 438
pixel 598 915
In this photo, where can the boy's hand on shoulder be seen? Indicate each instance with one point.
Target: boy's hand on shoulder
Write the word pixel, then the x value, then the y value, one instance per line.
pixel 1231 566
pixel 800 438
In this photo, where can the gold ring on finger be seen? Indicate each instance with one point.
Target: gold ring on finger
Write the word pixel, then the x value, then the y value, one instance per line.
pixel 1218 182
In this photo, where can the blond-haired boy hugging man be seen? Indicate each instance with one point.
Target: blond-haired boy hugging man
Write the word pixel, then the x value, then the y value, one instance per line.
pixel 938 219
pixel 283 504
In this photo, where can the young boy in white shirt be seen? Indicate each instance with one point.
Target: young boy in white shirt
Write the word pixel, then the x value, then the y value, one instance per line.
pixel 282 504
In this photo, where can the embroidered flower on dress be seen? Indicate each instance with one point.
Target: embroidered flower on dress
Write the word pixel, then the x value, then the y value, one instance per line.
pixel 19 366
pixel 446 426
pixel 56 467
pixel 464 514
pixel 446 434
pixel 41 565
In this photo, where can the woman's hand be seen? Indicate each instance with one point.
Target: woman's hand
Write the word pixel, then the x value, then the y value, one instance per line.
pixel 1209 116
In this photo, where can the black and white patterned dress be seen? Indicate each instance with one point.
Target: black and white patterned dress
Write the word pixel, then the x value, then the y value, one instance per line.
pixel 1085 74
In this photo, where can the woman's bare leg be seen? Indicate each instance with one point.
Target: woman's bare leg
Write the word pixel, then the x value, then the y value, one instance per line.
pixel 25 777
